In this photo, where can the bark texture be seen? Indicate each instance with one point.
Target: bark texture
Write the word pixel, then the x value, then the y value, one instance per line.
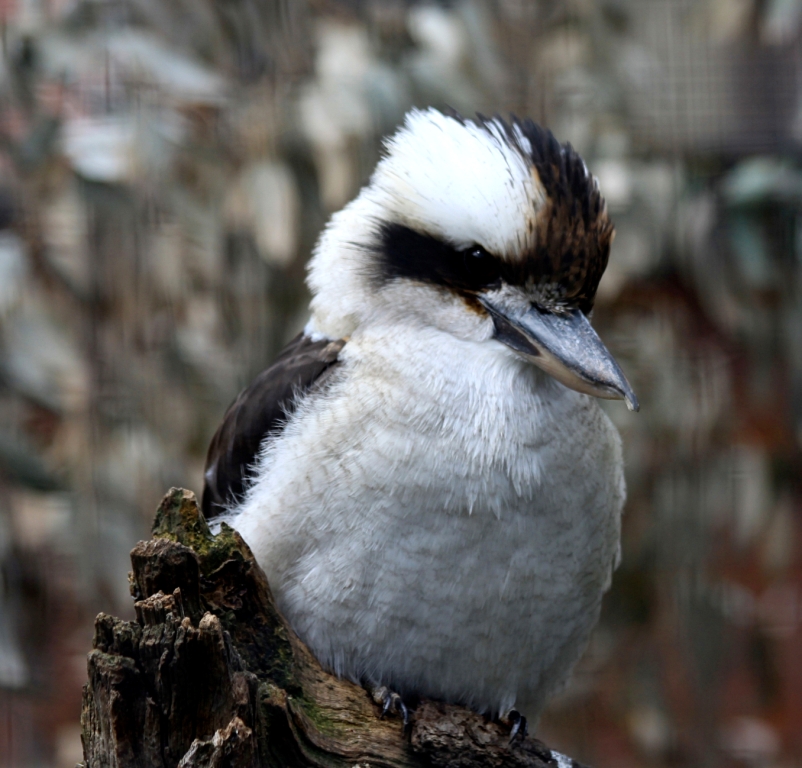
pixel 211 676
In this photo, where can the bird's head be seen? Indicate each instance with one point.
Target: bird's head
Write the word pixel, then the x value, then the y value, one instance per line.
pixel 489 230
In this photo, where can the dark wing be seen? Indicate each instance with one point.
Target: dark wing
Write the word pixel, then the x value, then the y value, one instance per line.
pixel 262 409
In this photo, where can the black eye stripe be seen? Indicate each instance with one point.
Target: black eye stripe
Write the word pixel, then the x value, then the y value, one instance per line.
pixel 403 252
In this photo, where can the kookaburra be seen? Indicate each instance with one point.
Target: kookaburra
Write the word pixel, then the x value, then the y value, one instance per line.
pixel 424 473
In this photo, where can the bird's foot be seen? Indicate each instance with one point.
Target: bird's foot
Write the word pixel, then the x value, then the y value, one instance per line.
pixel 390 701
pixel 517 724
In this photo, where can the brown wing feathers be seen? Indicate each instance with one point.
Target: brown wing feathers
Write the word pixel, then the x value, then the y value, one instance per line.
pixel 259 410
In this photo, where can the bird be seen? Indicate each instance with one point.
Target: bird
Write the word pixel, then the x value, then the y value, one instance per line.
pixel 424 473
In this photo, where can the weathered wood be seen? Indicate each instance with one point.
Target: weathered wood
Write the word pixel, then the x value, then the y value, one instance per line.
pixel 211 676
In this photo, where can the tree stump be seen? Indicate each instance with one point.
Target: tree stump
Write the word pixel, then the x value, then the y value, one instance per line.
pixel 210 676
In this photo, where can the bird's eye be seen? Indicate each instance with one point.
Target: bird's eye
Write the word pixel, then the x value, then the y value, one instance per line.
pixel 481 269
pixel 475 254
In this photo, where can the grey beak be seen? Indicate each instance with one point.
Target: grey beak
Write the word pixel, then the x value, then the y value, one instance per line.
pixel 562 344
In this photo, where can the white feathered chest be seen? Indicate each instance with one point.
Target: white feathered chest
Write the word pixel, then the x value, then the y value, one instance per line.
pixel 443 520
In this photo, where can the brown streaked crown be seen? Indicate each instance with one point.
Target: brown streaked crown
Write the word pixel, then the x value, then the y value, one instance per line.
pixel 573 232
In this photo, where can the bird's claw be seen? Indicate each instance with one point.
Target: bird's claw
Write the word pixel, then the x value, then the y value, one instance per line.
pixel 517 725
pixel 391 701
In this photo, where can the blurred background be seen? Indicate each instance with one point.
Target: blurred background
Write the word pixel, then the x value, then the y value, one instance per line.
pixel 165 168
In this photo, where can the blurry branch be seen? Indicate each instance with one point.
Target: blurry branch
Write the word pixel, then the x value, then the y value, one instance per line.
pixel 210 675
